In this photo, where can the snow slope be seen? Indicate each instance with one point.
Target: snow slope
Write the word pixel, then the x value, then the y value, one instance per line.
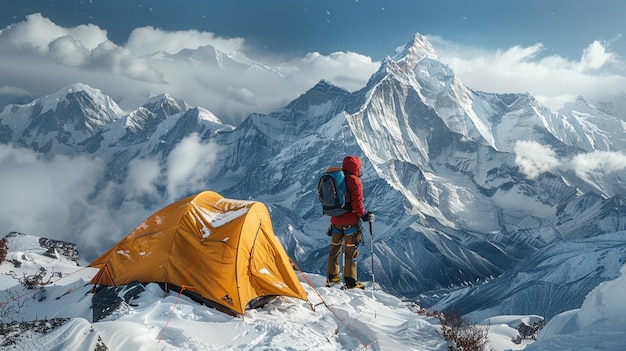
pixel 334 320
pixel 599 324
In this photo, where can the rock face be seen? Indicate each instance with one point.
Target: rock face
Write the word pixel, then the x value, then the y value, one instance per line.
pixel 56 248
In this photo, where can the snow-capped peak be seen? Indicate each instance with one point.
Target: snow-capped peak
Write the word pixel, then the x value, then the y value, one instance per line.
pixel 403 63
pixel 166 103
pixel 206 115
pixel 96 108
pixel 49 102
pixel 414 51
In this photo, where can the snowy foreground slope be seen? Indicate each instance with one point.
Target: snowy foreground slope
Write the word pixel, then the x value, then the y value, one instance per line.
pixel 157 322
pixel 355 319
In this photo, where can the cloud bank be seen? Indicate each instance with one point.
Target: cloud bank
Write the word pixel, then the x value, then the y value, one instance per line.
pixel 71 198
pixel 553 80
pixel 533 159
pixel 204 69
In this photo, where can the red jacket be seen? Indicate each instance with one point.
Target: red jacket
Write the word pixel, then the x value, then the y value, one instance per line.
pixel 352 168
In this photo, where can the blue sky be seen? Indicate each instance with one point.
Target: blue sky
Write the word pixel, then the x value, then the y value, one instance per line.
pixel 370 27
pixel 554 49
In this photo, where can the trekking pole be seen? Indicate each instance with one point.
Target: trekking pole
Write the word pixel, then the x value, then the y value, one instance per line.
pixel 372 253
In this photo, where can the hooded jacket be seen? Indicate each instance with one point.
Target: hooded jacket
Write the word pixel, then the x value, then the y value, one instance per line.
pixel 351 167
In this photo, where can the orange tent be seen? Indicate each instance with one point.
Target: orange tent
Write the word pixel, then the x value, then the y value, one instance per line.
pixel 219 251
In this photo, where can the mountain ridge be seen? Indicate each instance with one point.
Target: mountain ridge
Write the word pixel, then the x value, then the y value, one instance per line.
pixel 440 172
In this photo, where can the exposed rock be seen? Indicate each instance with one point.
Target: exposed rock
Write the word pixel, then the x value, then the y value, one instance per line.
pixel 530 332
pixel 108 299
pixel 48 247
pixel 58 247
pixel 18 334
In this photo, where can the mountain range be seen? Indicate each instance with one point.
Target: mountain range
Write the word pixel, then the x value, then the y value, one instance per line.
pixel 467 215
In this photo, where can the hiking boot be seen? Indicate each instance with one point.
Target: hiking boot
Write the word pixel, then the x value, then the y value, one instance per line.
pixel 332 279
pixel 356 286
pixel 351 283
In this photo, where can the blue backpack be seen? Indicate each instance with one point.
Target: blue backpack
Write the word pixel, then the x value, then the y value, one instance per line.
pixel 333 192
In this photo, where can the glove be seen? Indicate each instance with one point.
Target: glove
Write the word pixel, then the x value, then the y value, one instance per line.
pixel 368 217
pixel 329 232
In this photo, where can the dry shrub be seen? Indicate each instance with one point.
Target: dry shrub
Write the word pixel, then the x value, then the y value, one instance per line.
pixel 462 335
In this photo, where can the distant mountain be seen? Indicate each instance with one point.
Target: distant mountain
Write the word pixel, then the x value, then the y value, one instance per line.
pixel 614 107
pixel 452 207
pixel 58 123
pixel 211 56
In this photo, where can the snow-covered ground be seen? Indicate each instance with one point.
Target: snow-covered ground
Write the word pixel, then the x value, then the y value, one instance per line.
pixel 336 319
pixel 599 324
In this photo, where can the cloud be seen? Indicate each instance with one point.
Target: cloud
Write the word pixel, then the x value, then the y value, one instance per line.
pixel 534 159
pixel 553 79
pixel 39 42
pixel 233 90
pixel 112 58
pixel 5 90
pixel 598 161
pixel 60 198
pixel 68 51
pixel 188 166
pixel 40 197
pixel 596 56
pixel 142 179
pixel 71 198
pixel 37 189
pixel 41 57
pixel 38 32
pixel 148 40
pixel 346 69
